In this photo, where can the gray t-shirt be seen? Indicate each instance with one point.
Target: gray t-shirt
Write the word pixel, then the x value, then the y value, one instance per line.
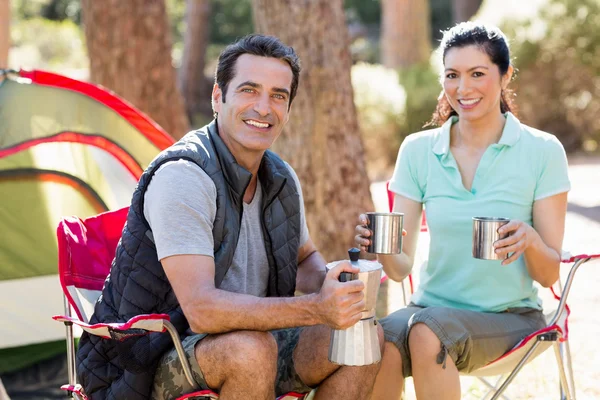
pixel 180 205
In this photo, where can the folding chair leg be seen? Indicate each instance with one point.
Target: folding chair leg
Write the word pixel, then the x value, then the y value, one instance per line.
pixel 517 369
pixel 70 346
pixel 565 392
pixel 567 347
pixel 492 388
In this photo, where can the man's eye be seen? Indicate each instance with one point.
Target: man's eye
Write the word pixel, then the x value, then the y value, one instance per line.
pixel 247 90
pixel 279 96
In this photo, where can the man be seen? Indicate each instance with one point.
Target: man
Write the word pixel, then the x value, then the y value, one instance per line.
pixel 216 237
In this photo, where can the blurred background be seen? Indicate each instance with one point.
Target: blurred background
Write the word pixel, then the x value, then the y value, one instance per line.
pixel 370 78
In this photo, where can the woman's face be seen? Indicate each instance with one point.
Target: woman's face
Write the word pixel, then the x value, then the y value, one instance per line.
pixel 472 83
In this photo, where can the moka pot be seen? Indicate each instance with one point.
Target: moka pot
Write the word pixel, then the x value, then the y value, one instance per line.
pixel 359 344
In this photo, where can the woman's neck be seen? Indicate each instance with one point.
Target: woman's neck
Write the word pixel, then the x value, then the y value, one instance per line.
pixel 478 134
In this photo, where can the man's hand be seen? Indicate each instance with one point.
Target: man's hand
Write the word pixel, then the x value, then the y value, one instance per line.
pixel 340 305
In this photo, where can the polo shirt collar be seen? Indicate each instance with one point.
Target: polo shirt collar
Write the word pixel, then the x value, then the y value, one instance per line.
pixel 510 134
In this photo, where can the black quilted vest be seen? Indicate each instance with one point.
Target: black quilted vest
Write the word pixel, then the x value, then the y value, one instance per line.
pixel 137 284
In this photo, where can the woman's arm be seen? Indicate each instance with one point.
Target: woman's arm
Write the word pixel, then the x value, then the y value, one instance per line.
pixel 396 266
pixel 540 244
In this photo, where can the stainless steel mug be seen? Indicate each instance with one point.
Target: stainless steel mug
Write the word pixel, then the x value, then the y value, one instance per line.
pixel 485 233
pixel 386 232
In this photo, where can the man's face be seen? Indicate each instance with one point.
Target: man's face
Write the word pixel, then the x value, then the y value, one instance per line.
pixel 256 104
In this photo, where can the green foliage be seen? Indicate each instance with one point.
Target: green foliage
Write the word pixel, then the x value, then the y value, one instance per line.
pixel 422 86
pixel 55 10
pixel 390 106
pixel 40 43
pixel 367 12
pixel 558 85
pixel 380 103
pixel 231 19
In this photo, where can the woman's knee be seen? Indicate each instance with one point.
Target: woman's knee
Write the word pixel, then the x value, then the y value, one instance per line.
pixel 423 342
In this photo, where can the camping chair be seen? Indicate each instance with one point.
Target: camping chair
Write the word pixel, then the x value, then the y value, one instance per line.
pixel 86 249
pixel 555 334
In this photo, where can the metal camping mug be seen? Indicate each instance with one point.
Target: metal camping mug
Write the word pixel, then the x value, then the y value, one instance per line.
pixel 485 234
pixel 386 232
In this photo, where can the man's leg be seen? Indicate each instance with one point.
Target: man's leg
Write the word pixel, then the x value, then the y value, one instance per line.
pixel 239 365
pixel 334 381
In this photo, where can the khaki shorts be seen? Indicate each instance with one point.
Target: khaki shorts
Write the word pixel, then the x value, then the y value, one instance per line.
pixel 473 339
pixel 170 381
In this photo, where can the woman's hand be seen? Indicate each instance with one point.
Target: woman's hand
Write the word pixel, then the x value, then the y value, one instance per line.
pixel 363 233
pixel 521 236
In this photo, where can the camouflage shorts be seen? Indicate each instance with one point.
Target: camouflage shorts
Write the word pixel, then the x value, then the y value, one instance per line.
pixel 170 381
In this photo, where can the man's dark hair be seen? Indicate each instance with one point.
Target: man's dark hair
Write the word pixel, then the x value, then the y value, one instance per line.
pixel 256 45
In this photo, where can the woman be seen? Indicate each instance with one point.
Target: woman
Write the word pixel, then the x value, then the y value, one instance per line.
pixel 481 162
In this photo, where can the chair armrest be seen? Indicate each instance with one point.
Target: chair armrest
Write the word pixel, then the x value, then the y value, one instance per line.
pixel 578 261
pixel 136 326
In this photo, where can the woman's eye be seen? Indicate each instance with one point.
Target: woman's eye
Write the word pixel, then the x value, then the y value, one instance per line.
pixel 451 75
pixel 478 74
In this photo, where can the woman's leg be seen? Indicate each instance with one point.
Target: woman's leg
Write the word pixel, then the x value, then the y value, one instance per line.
pixel 432 382
pixel 443 341
pixel 395 364
pixel 389 382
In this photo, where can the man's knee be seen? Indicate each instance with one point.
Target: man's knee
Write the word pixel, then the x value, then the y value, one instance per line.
pixel 237 353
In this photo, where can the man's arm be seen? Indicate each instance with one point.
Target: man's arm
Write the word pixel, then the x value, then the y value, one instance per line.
pixel 211 310
pixel 311 268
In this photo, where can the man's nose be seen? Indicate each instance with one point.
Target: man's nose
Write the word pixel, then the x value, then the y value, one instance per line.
pixel 262 105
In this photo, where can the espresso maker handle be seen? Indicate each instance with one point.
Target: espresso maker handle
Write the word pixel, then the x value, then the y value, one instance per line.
pixel 349 276
pixel 346 277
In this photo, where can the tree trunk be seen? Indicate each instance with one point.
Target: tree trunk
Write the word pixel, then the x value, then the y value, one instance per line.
pixel 193 83
pixel 405 33
pixel 4 32
pixel 463 10
pixel 129 45
pixel 322 139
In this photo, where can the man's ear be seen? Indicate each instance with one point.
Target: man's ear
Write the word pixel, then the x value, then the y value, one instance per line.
pixel 217 96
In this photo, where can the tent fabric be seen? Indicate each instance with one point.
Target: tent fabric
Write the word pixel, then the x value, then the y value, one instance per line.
pixel 67 147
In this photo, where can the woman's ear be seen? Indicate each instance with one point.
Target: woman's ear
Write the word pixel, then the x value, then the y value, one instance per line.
pixel 507 77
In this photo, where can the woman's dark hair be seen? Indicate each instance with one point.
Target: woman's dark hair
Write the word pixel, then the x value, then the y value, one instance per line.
pixel 256 45
pixel 491 41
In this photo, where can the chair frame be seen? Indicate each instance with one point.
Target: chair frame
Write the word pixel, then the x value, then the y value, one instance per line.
pixel 77 237
pixel 551 333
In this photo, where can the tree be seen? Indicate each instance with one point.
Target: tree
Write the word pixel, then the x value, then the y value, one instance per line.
pixel 322 139
pixel 463 10
pixel 4 32
pixel 129 44
pixel 193 83
pixel 405 39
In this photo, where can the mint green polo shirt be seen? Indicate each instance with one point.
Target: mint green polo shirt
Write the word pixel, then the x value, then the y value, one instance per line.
pixel 524 166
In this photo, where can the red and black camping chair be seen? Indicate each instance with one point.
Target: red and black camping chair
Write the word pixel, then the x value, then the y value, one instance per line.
pixel 555 334
pixel 86 249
